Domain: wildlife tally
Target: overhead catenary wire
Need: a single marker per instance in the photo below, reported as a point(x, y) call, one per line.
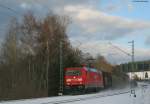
point(119, 49)
point(10, 9)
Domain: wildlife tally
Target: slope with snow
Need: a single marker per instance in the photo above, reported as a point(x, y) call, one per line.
point(120, 96)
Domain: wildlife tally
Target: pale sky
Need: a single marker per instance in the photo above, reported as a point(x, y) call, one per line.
point(94, 24)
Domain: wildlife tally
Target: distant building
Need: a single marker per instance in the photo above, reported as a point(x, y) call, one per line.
point(145, 75)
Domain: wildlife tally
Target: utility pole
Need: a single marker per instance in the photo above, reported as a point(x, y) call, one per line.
point(132, 56)
point(132, 69)
point(47, 67)
point(61, 70)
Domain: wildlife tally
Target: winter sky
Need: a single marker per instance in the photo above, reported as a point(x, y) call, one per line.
point(94, 23)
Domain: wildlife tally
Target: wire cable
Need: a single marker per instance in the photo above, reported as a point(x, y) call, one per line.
point(10, 9)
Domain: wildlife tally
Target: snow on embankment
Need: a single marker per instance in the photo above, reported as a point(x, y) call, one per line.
point(61, 98)
point(142, 97)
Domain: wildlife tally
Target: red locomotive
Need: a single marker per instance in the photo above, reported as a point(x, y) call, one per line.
point(85, 79)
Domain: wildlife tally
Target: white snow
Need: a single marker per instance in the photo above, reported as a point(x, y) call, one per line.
point(142, 97)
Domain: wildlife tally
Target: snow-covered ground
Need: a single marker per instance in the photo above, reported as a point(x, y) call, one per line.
point(103, 97)
point(142, 97)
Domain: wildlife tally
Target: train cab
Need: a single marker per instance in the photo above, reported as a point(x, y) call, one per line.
point(82, 79)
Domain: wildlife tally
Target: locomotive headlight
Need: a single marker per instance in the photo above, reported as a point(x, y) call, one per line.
point(68, 83)
point(68, 80)
point(80, 79)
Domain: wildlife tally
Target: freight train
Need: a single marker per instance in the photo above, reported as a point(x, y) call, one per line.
point(84, 79)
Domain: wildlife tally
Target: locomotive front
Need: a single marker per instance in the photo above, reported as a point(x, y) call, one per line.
point(74, 79)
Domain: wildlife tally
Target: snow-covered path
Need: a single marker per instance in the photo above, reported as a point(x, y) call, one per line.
point(142, 97)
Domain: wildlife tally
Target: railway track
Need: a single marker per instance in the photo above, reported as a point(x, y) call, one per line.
point(85, 98)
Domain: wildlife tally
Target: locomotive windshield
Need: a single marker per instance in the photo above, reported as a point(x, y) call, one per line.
point(73, 72)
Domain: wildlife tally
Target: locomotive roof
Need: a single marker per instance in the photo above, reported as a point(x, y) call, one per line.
point(91, 69)
point(86, 68)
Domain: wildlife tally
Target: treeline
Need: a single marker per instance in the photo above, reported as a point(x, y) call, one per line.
point(30, 54)
point(102, 64)
point(135, 67)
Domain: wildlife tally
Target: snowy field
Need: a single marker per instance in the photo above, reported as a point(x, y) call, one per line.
point(120, 96)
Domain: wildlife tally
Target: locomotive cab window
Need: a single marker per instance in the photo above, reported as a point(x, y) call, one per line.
point(73, 72)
